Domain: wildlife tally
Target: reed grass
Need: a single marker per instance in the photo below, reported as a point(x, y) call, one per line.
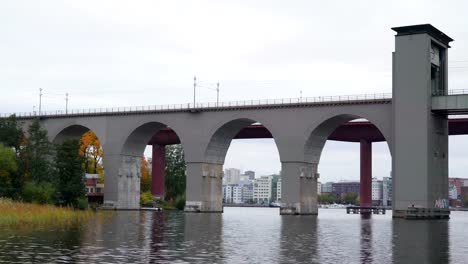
point(13, 213)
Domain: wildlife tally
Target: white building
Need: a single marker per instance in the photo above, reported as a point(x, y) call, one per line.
point(237, 194)
point(387, 191)
point(244, 178)
point(231, 176)
point(247, 193)
point(262, 189)
point(278, 190)
point(319, 188)
point(377, 187)
point(227, 193)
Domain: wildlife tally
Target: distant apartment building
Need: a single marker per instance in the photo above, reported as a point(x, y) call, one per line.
point(231, 176)
point(251, 174)
point(341, 188)
point(247, 193)
point(319, 188)
point(387, 190)
point(237, 194)
point(274, 187)
point(377, 191)
point(327, 187)
point(278, 190)
point(455, 185)
point(455, 190)
point(244, 177)
point(262, 190)
point(227, 193)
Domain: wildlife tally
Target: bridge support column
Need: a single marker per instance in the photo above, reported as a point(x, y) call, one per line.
point(204, 187)
point(365, 187)
point(299, 188)
point(122, 181)
point(158, 171)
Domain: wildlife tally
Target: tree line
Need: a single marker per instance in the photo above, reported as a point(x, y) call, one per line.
point(32, 169)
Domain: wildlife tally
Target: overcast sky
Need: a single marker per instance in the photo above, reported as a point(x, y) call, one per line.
point(129, 53)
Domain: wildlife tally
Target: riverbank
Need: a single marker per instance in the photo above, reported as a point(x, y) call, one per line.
point(15, 213)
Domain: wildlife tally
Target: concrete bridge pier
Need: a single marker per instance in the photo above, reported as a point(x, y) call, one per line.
point(122, 181)
point(204, 187)
point(299, 188)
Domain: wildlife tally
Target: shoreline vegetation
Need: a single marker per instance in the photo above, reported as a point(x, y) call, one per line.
point(20, 214)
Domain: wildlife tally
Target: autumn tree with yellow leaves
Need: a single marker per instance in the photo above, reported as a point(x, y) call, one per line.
point(91, 150)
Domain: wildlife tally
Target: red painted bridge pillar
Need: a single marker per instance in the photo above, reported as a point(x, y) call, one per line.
point(365, 189)
point(158, 171)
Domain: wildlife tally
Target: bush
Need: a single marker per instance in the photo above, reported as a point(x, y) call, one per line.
point(82, 203)
point(41, 193)
point(180, 202)
point(146, 197)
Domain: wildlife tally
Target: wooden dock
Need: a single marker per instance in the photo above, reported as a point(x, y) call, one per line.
point(365, 210)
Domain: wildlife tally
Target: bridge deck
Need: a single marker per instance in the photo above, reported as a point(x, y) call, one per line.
point(382, 98)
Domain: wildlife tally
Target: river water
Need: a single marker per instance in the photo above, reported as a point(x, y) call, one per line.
point(241, 235)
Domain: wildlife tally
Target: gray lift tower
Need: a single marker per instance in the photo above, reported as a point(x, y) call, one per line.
point(420, 150)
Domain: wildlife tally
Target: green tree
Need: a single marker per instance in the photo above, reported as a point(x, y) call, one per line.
point(350, 197)
point(11, 134)
point(70, 173)
point(175, 172)
point(37, 156)
point(7, 169)
point(327, 198)
point(39, 192)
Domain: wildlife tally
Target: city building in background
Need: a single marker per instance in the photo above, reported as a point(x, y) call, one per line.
point(327, 187)
point(377, 191)
point(387, 191)
point(278, 190)
point(339, 189)
point(251, 174)
point(319, 188)
point(231, 176)
point(456, 197)
point(262, 191)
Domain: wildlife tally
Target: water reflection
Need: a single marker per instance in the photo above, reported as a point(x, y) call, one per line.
point(298, 242)
point(39, 244)
point(240, 235)
point(366, 239)
point(420, 241)
point(203, 237)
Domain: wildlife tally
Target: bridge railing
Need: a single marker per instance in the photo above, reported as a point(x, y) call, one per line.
point(452, 92)
point(210, 105)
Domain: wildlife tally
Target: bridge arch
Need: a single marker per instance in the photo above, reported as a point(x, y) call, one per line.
point(72, 130)
point(224, 132)
point(317, 133)
point(91, 147)
point(125, 161)
point(323, 128)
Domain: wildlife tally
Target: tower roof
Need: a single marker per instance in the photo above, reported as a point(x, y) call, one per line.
point(424, 28)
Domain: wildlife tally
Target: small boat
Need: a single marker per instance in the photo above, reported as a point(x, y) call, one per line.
point(158, 209)
point(275, 204)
